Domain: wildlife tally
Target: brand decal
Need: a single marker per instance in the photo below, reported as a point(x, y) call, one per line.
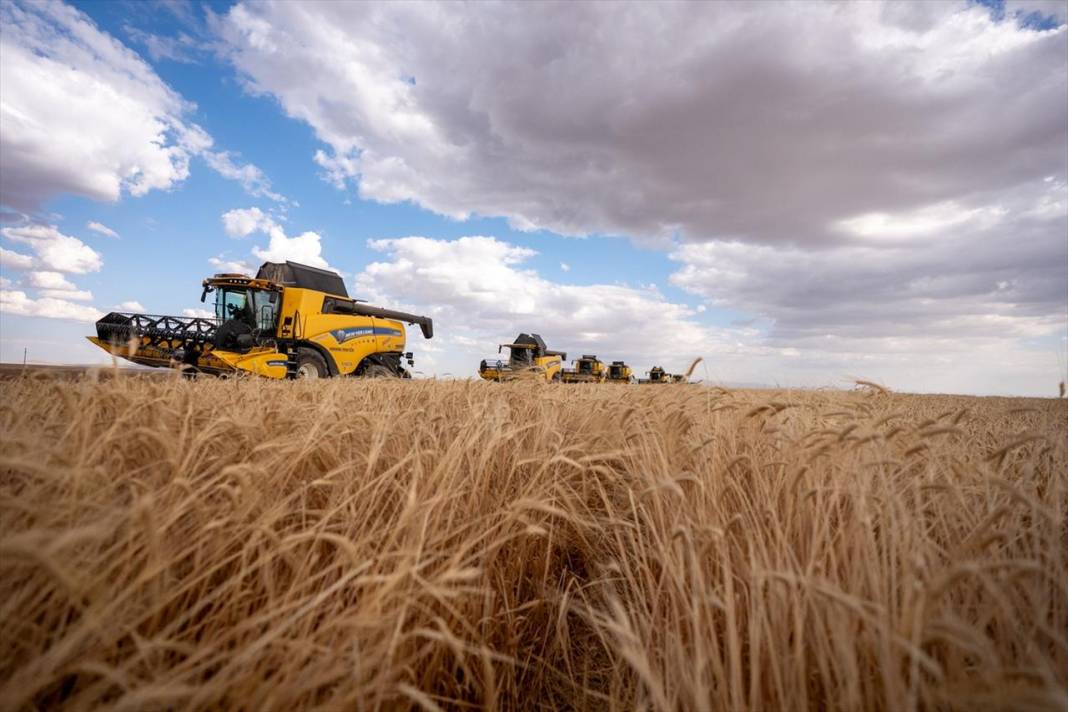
point(343, 335)
point(277, 363)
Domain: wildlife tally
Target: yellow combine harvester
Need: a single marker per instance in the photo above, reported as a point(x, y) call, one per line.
point(528, 358)
point(290, 321)
point(588, 369)
point(620, 372)
point(659, 375)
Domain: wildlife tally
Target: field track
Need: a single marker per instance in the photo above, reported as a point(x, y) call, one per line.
point(244, 544)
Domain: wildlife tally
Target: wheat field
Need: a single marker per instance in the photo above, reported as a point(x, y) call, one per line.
point(260, 545)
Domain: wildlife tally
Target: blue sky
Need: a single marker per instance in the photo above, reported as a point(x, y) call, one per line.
point(798, 213)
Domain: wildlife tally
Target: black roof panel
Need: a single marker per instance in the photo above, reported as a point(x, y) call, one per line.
point(294, 274)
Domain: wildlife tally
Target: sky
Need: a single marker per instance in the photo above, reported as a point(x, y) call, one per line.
point(801, 193)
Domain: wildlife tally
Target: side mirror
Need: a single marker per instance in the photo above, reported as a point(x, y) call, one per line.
point(204, 295)
point(272, 297)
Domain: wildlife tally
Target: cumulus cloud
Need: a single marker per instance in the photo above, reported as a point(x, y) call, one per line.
point(9, 259)
point(230, 266)
point(996, 274)
point(85, 115)
point(130, 306)
point(102, 229)
point(304, 248)
point(50, 280)
point(16, 302)
point(73, 295)
point(242, 222)
point(55, 251)
point(199, 313)
point(764, 123)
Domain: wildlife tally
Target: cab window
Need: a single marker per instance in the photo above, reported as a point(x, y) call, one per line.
point(265, 305)
point(232, 304)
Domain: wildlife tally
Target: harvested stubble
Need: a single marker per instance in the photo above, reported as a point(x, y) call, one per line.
point(361, 545)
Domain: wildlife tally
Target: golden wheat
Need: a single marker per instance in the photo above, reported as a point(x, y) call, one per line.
point(378, 545)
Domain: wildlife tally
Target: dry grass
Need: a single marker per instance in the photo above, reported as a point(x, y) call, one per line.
point(254, 545)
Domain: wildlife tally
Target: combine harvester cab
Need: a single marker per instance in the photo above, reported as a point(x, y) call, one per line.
point(619, 372)
point(587, 369)
point(289, 321)
point(528, 358)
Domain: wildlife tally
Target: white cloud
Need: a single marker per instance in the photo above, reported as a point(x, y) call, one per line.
point(9, 259)
point(16, 302)
point(130, 306)
point(565, 267)
point(83, 114)
point(251, 178)
point(102, 229)
point(749, 121)
point(50, 280)
point(242, 222)
point(55, 251)
point(73, 295)
point(230, 266)
point(992, 279)
point(304, 248)
point(198, 312)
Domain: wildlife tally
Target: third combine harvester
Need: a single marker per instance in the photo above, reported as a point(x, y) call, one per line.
point(289, 321)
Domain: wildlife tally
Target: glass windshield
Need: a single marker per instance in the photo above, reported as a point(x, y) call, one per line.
point(256, 307)
point(232, 304)
point(521, 358)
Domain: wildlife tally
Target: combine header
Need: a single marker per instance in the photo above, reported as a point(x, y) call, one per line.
point(528, 357)
point(290, 321)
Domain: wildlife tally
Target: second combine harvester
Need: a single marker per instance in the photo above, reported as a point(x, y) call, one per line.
point(289, 321)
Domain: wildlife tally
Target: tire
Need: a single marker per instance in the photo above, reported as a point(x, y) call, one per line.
point(556, 377)
point(377, 370)
point(311, 365)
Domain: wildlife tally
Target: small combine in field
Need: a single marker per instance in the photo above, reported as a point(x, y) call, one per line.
point(619, 372)
point(528, 358)
point(658, 375)
point(588, 369)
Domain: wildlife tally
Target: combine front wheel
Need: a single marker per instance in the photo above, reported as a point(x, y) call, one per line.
point(311, 365)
